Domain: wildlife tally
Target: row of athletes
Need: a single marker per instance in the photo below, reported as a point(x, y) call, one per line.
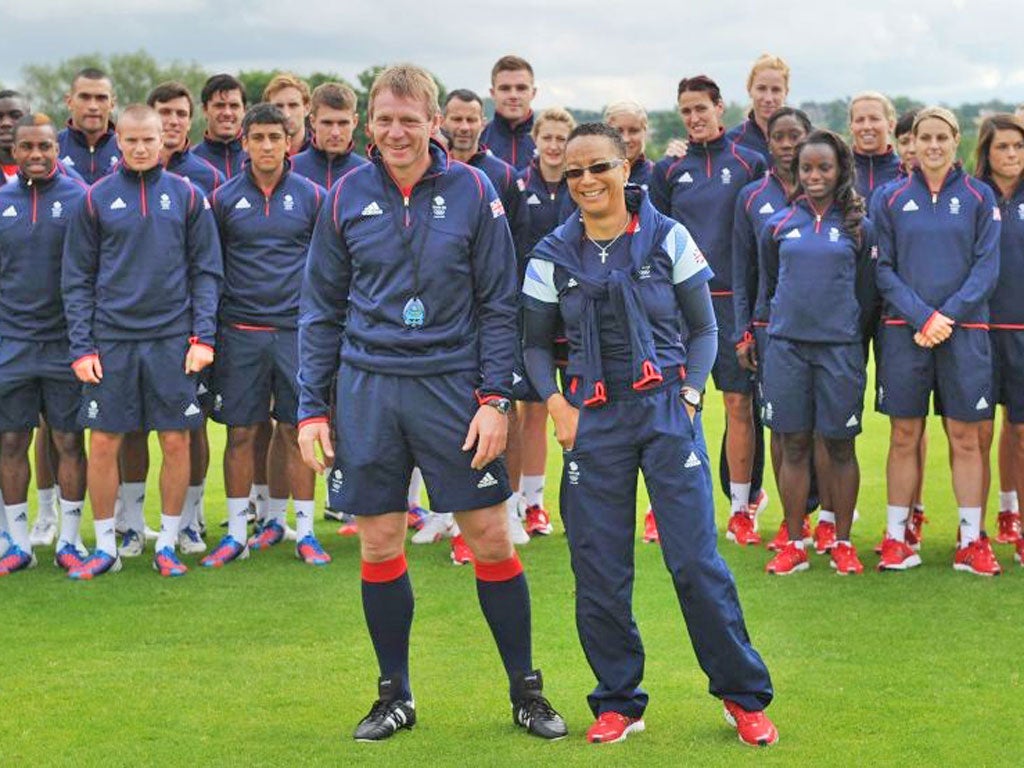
point(414, 351)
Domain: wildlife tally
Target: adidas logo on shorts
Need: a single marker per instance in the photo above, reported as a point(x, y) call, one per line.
point(692, 461)
point(373, 210)
point(852, 421)
point(981, 405)
point(192, 410)
point(487, 481)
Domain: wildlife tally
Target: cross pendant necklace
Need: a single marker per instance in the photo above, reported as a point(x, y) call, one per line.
point(602, 250)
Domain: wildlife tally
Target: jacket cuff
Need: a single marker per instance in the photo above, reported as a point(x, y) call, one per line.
point(927, 323)
point(745, 340)
point(312, 420)
point(485, 396)
point(195, 341)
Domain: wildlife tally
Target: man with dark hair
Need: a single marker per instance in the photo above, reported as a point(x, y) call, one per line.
point(34, 362)
point(334, 119)
point(13, 107)
point(223, 99)
point(87, 144)
point(173, 103)
point(508, 135)
point(266, 217)
point(409, 297)
point(146, 243)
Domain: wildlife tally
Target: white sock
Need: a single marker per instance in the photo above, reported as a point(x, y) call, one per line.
point(133, 495)
point(415, 484)
point(258, 496)
point(824, 516)
point(188, 512)
point(896, 522)
point(276, 510)
point(238, 511)
point(70, 522)
point(47, 501)
point(740, 495)
point(169, 527)
point(303, 519)
point(17, 524)
point(1008, 501)
point(970, 525)
point(106, 541)
point(532, 489)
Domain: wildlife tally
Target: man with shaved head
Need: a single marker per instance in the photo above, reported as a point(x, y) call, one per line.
point(144, 242)
point(87, 144)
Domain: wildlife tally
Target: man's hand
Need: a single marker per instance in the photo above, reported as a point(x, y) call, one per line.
point(199, 356)
point(310, 434)
point(488, 431)
point(922, 341)
point(566, 418)
point(88, 369)
point(746, 353)
point(938, 328)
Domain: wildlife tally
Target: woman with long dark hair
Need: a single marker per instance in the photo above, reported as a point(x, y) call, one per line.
point(819, 283)
point(623, 278)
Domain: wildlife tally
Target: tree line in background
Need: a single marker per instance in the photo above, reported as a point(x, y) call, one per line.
point(135, 74)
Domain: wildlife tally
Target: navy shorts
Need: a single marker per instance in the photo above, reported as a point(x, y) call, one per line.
point(388, 424)
point(144, 388)
point(36, 378)
point(726, 372)
point(813, 387)
point(255, 376)
point(958, 371)
point(1008, 372)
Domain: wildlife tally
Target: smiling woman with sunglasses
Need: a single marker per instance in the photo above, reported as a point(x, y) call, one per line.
point(622, 277)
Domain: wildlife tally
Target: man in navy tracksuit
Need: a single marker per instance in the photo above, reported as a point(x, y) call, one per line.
point(265, 216)
point(173, 103)
point(223, 99)
point(334, 118)
point(410, 284)
point(699, 190)
point(13, 107)
point(88, 144)
point(35, 377)
point(141, 278)
point(508, 135)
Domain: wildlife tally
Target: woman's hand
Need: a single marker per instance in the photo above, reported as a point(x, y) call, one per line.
point(566, 418)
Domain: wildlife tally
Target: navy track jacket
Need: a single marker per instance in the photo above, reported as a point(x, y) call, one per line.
point(90, 162)
point(192, 167)
point(142, 261)
point(361, 276)
point(34, 216)
point(227, 157)
point(513, 145)
point(1005, 306)
point(323, 169)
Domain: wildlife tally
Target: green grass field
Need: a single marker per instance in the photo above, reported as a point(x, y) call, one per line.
point(267, 662)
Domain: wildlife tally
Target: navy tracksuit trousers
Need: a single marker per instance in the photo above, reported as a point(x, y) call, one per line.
point(651, 432)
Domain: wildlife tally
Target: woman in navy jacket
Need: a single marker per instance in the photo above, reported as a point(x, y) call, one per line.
point(818, 277)
point(622, 277)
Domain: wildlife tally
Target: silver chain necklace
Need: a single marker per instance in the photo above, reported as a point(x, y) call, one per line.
point(602, 250)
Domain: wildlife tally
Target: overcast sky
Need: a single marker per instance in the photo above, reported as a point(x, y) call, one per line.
point(585, 53)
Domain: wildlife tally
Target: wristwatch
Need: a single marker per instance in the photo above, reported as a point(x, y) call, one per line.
point(501, 404)
point(692, 397)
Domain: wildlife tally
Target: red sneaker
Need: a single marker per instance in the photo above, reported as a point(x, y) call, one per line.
point(787, 560)
point(743, 529)
point(753, 728)
point(1009, 528)
point(651, 535)
point(914, 533)
point(824, 537)
point(611, 727)
point(897, 556)
point(977, 558)
point(461, 553)
point(348, 529)
point(845, 560)
point(758, 503)
point(782, 537)
point(538, 522)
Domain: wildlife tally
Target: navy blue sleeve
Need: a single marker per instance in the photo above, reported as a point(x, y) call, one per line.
point(322, 310)
point(205, 268)
point(540, 326)
point(79, 266)
point(702, 342)
point(494, 286)
point(897, 293)
point(659, 190)
point(768, 260)
point(981, 280)
point(744, 267)
point(866, 288)
point(518, 213)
